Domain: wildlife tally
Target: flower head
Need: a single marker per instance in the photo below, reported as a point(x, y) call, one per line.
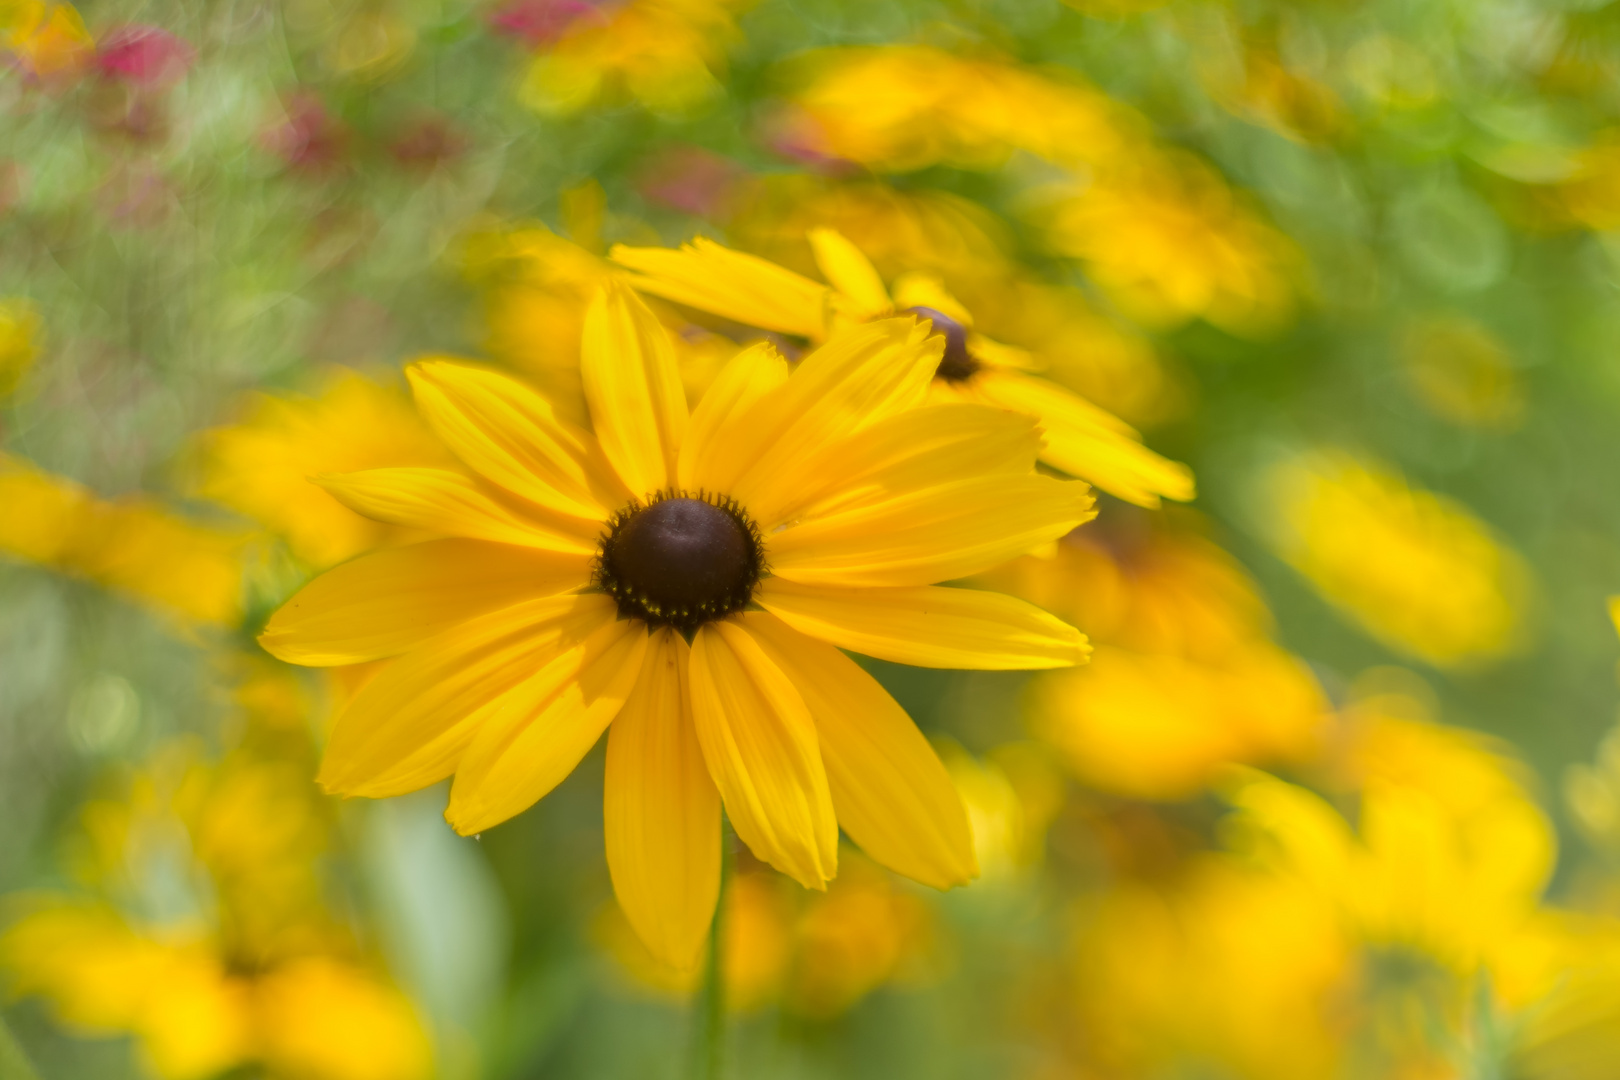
point(1081, 439)
point(689, 578)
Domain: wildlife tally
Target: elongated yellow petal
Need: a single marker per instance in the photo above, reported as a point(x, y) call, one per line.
point(760, 746)
point(858, 378)
point(1089, 442)
point(508, 433)
point(661, 812)
point(633, 388)
point(928, 626)
point(531, 741)
point(450, 504)
point(893, 795)
point(712, 278)
point(391, 601)
point(851, 273)
point(730, 400)
point(408, 727)
point(938, 534)
point(916, 449)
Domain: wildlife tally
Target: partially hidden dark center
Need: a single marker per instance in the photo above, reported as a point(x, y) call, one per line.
point(957, 365)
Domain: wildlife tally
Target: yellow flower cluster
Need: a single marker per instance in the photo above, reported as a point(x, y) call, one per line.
point(1184, 679)
point(663, 53)
point(201, 924)
point(1157, 228)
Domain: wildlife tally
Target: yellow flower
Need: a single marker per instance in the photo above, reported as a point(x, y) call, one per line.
point(786, 515)
point(131, 545)
point(1185, 679)
point(1170, 241)
point(1222, 968)
point(1417, 571)
point(663, 53)
point(49, 39)
point(816, 955)
point(903, 107)
point(261, 465)
point(1011, 797)
point(19, 342)
point(1081, 439)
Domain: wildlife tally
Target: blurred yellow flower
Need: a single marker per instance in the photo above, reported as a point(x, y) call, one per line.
point(1463, 373)
point(814, 955)
point(1221, 966)
point(49, 39)
point(662, 53)
point(131, 545)
point(1184, 678)
point(1011, 795)
point(261, 465)
point(1415, 570)
point(1081, 439)
point(1160, 726)
point(19, 342)
point(203, 931)
point(1170, 241)
point(904, 107)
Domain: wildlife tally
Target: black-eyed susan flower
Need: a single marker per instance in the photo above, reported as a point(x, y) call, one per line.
point(1081, 439)
point(689, 578)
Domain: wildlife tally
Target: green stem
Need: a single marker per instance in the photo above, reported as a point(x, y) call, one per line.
point(13, 1062)
point(709, 1061)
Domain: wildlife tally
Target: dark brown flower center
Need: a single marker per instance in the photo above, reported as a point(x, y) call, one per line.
point(958, 364)
point(680, 560)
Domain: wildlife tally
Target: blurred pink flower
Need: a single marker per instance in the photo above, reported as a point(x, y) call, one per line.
point(309, 138)
point(538, 21)
point(690, 179)
point(146, 55)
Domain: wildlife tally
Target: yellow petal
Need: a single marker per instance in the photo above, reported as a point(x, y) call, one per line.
point(928, 626)
point(1088, 442)
point(661, 812)
point(893, 795)
point(733, 396)
point(916, 449)
point(760, 746)
point(712, 278)
point(919, 289)
point(859, 377)
point(851, 274)
point(508, 433)
point(938, 534)
point(407, 728)
point(450, 504)
point(633, 387)
point(391, 601)
point(532, 740)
